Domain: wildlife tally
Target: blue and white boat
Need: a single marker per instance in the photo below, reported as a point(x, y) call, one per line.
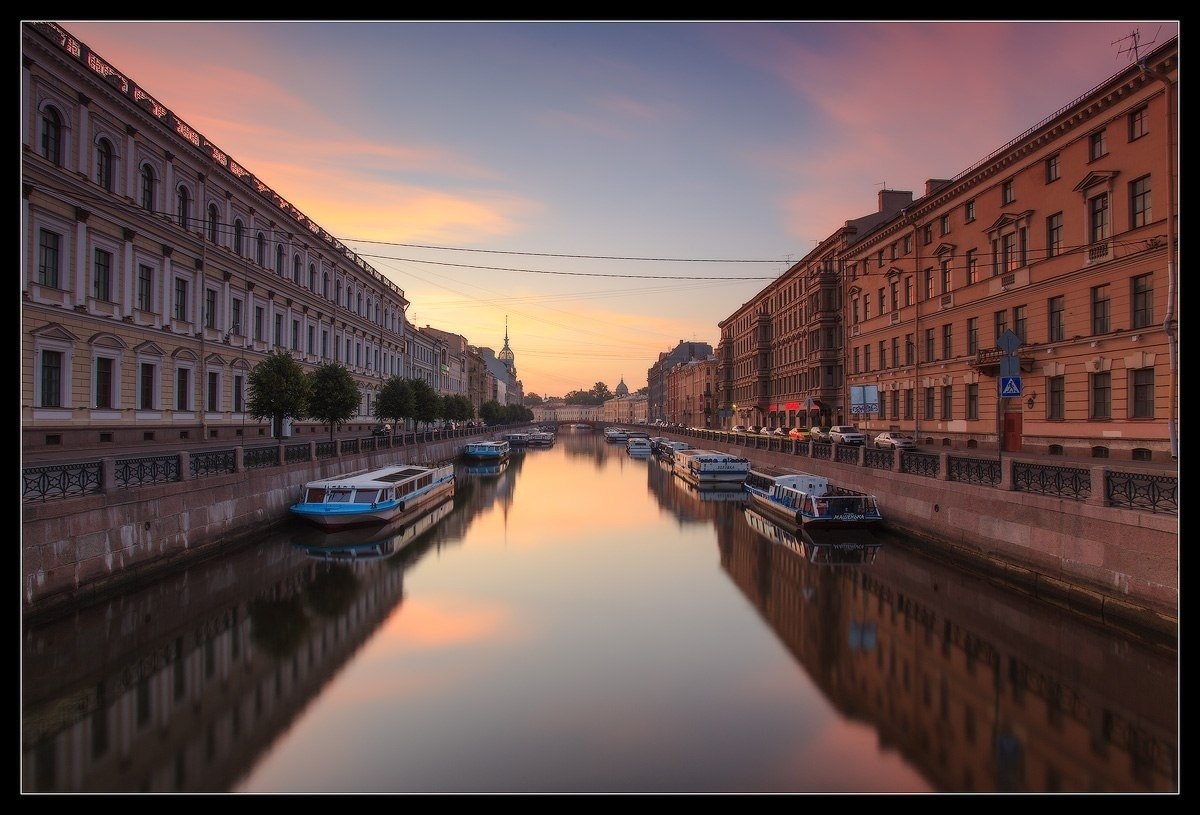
point(810, 500)
point(378, 496)
point(711, 469)
point(498, 450)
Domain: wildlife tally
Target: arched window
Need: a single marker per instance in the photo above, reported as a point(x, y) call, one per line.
point(312, 277)
point(238, 235)
point(213, 221)
point(104, 164)
point(338, 298)
point(260, 250)
point(296, 269)
point(183, 206)
point(325, 285)
point(359, 311)
point(279, 260)
point(52, 136)
point(147, 187)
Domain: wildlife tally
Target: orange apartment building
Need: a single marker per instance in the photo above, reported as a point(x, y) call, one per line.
point(1028, 304)
point(691, 393)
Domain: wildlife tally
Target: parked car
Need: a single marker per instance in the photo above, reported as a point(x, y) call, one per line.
point(846, 434)
point(738, 428)
point(819, 434)
point(382, 429)
point(895, 441)
point(800, 433)
point(754, 429)
point(781, 431)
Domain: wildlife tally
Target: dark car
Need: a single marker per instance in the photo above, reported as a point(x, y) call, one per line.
point(382, 429)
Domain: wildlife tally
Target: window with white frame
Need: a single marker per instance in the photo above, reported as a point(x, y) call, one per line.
point(147, 187)
point(1141, 298)
point(1139, 202)
point(1054, 234)
point(183, 386)
point(102, 269)
point(52, 133)
point(145, 287)
point(180, 311)
point(104, 380)
point(147, 384)
point(210, 308)
point(1098, 218)
point(183, 207)
point(104, 163)
point(1097, 145)
point(51, 387)
point(1139, 123)
point(212, 392)
point(1007, 192)
point(1053, 168)
point(49, 258)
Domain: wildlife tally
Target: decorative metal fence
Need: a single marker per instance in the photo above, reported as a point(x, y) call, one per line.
point(49, 481)
point(212, 462)
point(136, 472)
point(985, 471)
point(1048, 479)
point(1155, 493)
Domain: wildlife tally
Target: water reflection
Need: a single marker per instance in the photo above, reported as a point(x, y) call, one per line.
point(891, 673)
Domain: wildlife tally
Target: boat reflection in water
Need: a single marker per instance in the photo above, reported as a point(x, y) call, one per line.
point(373, 543)
point(832, 547)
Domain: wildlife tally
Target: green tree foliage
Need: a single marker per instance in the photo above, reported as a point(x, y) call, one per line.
point(582, 398)
point(492, 413)
point(396, 402)
point(279, 389)
point(457, 408)
point(334, 398)
point(601, 393)
point(427, 404)
point(532, 399)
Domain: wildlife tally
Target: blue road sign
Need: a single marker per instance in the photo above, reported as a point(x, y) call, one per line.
point(1010, 386)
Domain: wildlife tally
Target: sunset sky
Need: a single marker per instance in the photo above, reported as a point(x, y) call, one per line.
point(603, 190)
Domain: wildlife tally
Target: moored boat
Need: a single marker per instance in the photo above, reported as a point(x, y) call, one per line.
point(377, 496)
point(617, 435)
point(638, 446)
point(516, 439)
point(375, 543)
point(541, 438)
point(711, 468)
point(497, 450)
point(810, 500)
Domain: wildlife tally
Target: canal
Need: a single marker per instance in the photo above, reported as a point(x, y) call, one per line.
point(582, 621)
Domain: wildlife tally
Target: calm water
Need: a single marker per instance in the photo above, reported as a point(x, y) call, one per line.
point(583, 621)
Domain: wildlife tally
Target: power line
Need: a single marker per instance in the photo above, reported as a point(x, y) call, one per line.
point(566, 274)
point(554, 255)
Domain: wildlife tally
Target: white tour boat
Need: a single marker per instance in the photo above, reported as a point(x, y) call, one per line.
point(711, 468)
point(810, 500)
point(498, 450)
point(638, 446)
point(376, 496)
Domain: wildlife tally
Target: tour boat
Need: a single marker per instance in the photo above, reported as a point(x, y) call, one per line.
point(617, 435)
point(376, 496)
point(516, 439)
point(637, 446)
point(822, 546)
point(667, 449)
point(487, 450)
point(375, 543)
point(711, 468)
point(541, 438)
point(810, 500)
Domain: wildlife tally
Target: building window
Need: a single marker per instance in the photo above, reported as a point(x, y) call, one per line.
point(973, 401)
point(1143, 393)
point(973, 335)
point(102, 276)
point(910, 349)
point(1142, 300)
point(1057, 398)
point(1101, 309)
point(210, 308)
point(312, 339)
point(927, 274)
point(145, 287)
point(1139, 123)
point(1053, 168)
point(1057, 308)
point(278, 329)
point(104, 164)
point(907, 244)
point(929, 345)
point(260, 249)
point(239, 236)
point(908, 291)
point(182, 391)
point(882, 354)
point(866, 358)
point(969, 210)
point(972, 266)
point(929, 403)
point(147, 187)
point(51, 385)
point(49, 258)
point(279, 260)
point(296, 269)
point(183, 207)
point(945, 273)
point(51, 136)
point(104, 383)
point(1020, 321)
point(1007, 194)
point(1100, 396)
point(239, 399)
point(927, 234)
point(1000, 318)
point(1054, 234)
point(892, 251)
point(948, 341)
point(944, 223)
point(181, 299)
point(947, 403)
point(312, 277)
point(1139, 202)
point(1010, 256)
point(895, 405)
point(214, 221)
point(895, 352)
point(909, 407)
point(147, 378)
point(1097, 146)
point(259, 315)
point(866, 304)
point(324, 344)
point(325, 285)
point(295, 335)
point(214, 392)
point(1098, 218)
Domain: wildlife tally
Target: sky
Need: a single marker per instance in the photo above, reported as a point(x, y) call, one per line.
point(600, 191)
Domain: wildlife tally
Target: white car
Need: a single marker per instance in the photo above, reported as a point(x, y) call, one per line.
point(738, 428)
point(846, 434)
point(895, 441)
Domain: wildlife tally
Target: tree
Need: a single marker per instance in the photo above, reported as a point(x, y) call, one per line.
point(457, 407)
point(395, 401)
point(532, 399)
point(335, 398)
point(582, 398)
point(492, 412)
point(601, 392)
point(279, 390)
point(427, 405)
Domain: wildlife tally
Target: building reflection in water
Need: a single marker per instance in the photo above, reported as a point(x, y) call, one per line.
point(183, 685)
point(971, 683)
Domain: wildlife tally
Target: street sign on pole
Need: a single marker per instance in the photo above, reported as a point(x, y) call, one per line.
point(1010, 386)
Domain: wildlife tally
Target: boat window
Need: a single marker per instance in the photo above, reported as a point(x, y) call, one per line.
point(367, 496)
point(316, 495)
point(339, 496)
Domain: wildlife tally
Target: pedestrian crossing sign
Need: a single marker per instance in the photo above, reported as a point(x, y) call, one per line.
point(1010, 386)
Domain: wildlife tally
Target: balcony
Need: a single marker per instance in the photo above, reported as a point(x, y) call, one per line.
point(987, 361)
